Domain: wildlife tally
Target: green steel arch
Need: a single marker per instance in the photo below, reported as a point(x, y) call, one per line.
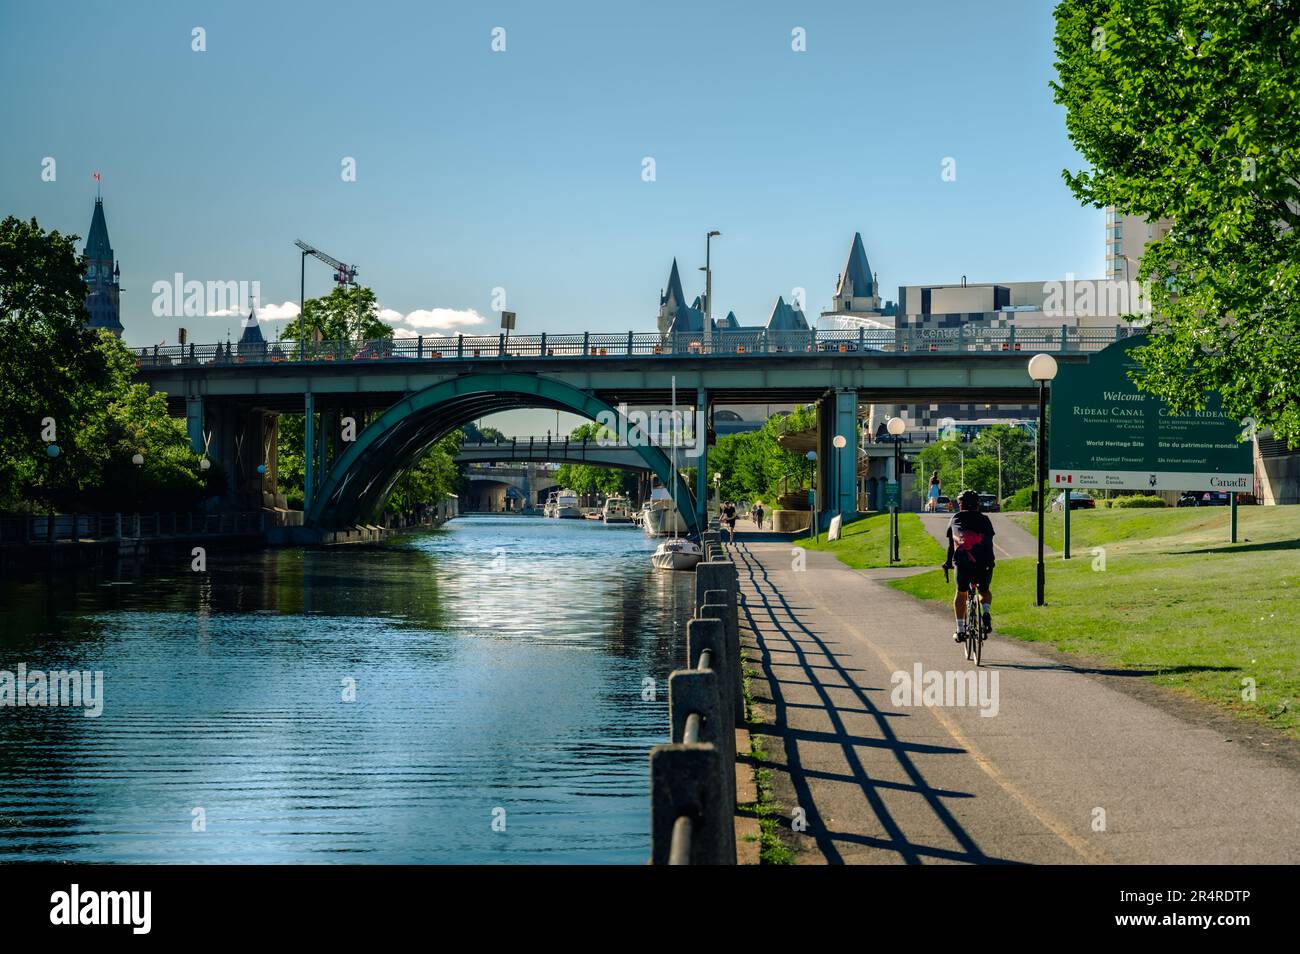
point(359, 482)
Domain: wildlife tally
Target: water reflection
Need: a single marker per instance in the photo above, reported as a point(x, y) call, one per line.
point(498, 664)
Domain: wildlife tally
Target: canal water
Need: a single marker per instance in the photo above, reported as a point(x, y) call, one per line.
point(509, 676)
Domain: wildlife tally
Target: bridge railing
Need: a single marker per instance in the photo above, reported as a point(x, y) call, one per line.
point(693, 778)
point(737, 344)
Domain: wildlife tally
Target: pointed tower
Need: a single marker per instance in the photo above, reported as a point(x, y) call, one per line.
point(103, 304)
point(857, 289)
point(251, 343)
point(674, 314)
point(786, 317)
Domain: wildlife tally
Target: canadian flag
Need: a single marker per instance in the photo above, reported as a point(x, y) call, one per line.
point(1068, 478)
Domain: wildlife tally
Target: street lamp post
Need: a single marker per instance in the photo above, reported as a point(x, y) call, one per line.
point(138, 460)
point(814, 530)
point(896, 426)
point(708, 283)
point(1042, 368)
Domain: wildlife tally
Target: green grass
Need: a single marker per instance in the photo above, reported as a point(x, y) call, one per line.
point(1174, 597)
point(1182, 525)
point(865, 543)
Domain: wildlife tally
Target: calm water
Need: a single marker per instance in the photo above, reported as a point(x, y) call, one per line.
point(498, 663)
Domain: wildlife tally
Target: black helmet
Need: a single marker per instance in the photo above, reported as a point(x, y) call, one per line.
point(968, 500)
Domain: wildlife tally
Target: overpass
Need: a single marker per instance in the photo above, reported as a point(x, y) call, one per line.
point(402, 395)
point(548, 450)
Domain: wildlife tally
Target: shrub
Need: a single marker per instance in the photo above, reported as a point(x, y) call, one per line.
point(1138, 500)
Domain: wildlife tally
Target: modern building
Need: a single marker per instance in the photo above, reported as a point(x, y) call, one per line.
point(103, 304)
point(1127, 237)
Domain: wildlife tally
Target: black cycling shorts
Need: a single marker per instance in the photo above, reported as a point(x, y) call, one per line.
point(969, 572)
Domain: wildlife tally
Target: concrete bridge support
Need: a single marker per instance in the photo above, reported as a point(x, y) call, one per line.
point(240, 440)
point(837, 467)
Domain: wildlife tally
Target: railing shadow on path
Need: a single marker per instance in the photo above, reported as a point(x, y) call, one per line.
point(768, 601)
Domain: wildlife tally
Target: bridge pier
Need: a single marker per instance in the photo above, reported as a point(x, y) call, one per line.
point(837, 467)
point(703, 479)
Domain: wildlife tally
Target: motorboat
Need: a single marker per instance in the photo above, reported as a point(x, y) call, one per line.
point(676, 554)
point(616, 510)
point(563, 504)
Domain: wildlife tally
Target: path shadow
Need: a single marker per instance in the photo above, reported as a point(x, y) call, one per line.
point(780, 621)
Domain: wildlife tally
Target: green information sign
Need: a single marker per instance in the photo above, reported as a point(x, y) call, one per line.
point(1105, 433)
point(892, 496)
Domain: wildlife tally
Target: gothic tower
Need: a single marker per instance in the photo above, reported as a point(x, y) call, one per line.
point(102, 276)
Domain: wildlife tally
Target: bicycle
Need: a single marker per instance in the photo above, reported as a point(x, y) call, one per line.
point(976, 630)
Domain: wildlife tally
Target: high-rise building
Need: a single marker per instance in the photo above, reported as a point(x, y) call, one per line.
point(102, 271)
point(1127, 237)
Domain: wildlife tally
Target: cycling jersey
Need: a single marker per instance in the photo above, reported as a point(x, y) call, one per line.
point(970, 539)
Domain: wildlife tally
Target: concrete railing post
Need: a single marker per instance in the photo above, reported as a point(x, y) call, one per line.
point(711, 635)
point(717, 605)
point(687, 780)
point(694, 690)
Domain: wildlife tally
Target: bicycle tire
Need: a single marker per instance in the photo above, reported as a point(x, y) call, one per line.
point(979, 632)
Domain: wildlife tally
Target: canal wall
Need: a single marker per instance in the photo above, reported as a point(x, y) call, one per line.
point(57, 541)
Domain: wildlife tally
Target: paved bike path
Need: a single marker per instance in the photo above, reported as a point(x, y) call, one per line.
point(1066, 753)
point(1010, 540)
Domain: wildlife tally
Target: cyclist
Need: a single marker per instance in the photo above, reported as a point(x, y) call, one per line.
point(970, 550)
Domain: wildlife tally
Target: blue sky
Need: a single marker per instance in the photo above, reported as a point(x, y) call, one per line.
point(522, 169)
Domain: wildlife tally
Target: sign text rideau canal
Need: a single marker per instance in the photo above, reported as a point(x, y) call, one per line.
point(1107, 434)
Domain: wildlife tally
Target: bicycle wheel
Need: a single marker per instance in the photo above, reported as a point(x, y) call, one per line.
point(978, 638)
point(971, 635)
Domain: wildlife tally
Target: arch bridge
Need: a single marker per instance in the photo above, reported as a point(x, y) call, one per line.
point(379, 405)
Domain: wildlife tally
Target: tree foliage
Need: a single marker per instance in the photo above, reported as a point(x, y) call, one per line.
point(348, 313)
point(1190, 110)
point(755, 467)
point(59, 379)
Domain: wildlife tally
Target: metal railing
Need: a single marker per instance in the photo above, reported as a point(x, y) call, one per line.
point(693, 778)
point(101, 527)
point(730, 343)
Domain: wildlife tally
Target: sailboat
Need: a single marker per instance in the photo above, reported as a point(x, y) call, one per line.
point(677, 553)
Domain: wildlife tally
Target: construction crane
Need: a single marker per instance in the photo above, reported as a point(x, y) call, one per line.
point(344, 275)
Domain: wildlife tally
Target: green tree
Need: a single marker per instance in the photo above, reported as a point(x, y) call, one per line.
point(348, 313)
point(1189, 110)
point(50, 369)
point(55, 373)
point(1017, 454)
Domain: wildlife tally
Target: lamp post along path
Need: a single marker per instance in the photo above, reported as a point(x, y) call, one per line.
point(1042, 368)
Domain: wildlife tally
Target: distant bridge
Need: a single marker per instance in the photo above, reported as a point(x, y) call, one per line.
point(403, 394)
point(547, 450)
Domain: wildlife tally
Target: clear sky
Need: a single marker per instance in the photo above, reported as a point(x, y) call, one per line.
point(523, 169)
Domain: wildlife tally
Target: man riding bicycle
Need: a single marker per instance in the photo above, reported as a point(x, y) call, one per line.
point(970, 550)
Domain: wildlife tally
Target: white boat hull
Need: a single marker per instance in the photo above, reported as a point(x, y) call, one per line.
point(676, 555)
point(661, 521)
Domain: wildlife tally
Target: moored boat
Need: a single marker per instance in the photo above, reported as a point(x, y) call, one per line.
point(676, 554)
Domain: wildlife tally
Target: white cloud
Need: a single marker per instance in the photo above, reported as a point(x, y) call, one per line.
point(278, 312)
point(429, 321)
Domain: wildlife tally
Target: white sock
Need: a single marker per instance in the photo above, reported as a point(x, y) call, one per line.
point(961, 626)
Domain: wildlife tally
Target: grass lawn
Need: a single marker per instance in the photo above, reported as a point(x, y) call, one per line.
point(865, 543)
point(1191, 525)
point(1167, 593)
